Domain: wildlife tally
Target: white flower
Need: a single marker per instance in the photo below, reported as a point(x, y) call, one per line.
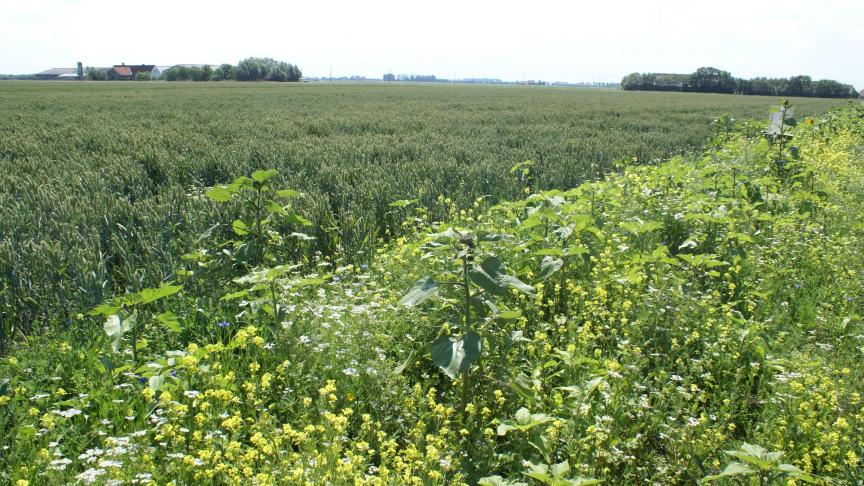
point(351, 372)
point(90, 476)
point(59, 464)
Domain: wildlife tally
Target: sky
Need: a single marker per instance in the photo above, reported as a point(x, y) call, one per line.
point(547, 40)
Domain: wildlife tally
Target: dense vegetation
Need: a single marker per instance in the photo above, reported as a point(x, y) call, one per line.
point(249, 69)
point(102, 183)
point(713, 80)
point(628, 330)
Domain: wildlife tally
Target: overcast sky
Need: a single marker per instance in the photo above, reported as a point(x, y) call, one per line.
point(550, 40)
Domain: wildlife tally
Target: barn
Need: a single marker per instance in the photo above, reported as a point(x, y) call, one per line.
point(57, 74)
point(120, 72)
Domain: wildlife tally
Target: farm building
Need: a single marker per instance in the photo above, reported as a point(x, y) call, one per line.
point(57, 74)
point(150, 69)
point(121, 72)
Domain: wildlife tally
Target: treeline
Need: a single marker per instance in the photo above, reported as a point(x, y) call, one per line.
point(713, 80)
point(249, 69)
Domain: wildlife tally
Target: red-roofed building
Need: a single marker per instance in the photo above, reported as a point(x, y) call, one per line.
point(120, 72)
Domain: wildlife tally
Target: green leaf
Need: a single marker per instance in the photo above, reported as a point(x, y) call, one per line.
point(498, 481)
point(490, 276)
point(524, 420)
point(169, 321)
point(219, 193)
point(287, 193)
point(156, 382)
point(264, 175)
point(147, 296)
point(239, 227)
point(113, 328)
point(549, 267)
point(509, 315)
point(297, 219)
point(583, 481)
point(641, 227)
point(540, 472)
point(556, 252)
point(732, 469)
point(310, 281)
point(403, 203)
point(559, 470)
point(235, 295)
point(422, 290)
point(796, 473)
point(577, 250)
point(455, 356)
point(106, 309)
point(491, 237)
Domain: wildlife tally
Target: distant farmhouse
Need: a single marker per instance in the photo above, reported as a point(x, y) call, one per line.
point(61, 74)
point(123, 72)
point(58, 74)
point(117, 72)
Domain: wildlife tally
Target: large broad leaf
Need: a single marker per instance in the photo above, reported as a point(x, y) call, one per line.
point(796, 473)
point(151, 295)
point(107, 308)
point(549, 266)
point(169, 321)
point(499, 481)
point(297, 219)
point(420, 291)
point(240, 228)
point(490, 276)
point(403, 203)
point(549, 252)
point(733, 469)
point(582, 481)
point(219, 193)
point(156, 382)
point(641, 227)
point(115, 328)
point(454, 355)
point(264, 175)
point(524, 420)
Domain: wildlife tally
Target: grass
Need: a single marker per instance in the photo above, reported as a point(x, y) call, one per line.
point(102, 181)
point(695, 318)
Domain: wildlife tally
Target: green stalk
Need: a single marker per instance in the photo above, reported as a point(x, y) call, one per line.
point(467, 327)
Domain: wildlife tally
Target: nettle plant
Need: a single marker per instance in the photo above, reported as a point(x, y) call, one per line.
point(472, 288)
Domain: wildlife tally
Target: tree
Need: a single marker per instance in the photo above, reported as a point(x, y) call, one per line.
point(224, 72)
point(95, 75)
point(799, 86)
point(266, 69)
point(711, 80)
